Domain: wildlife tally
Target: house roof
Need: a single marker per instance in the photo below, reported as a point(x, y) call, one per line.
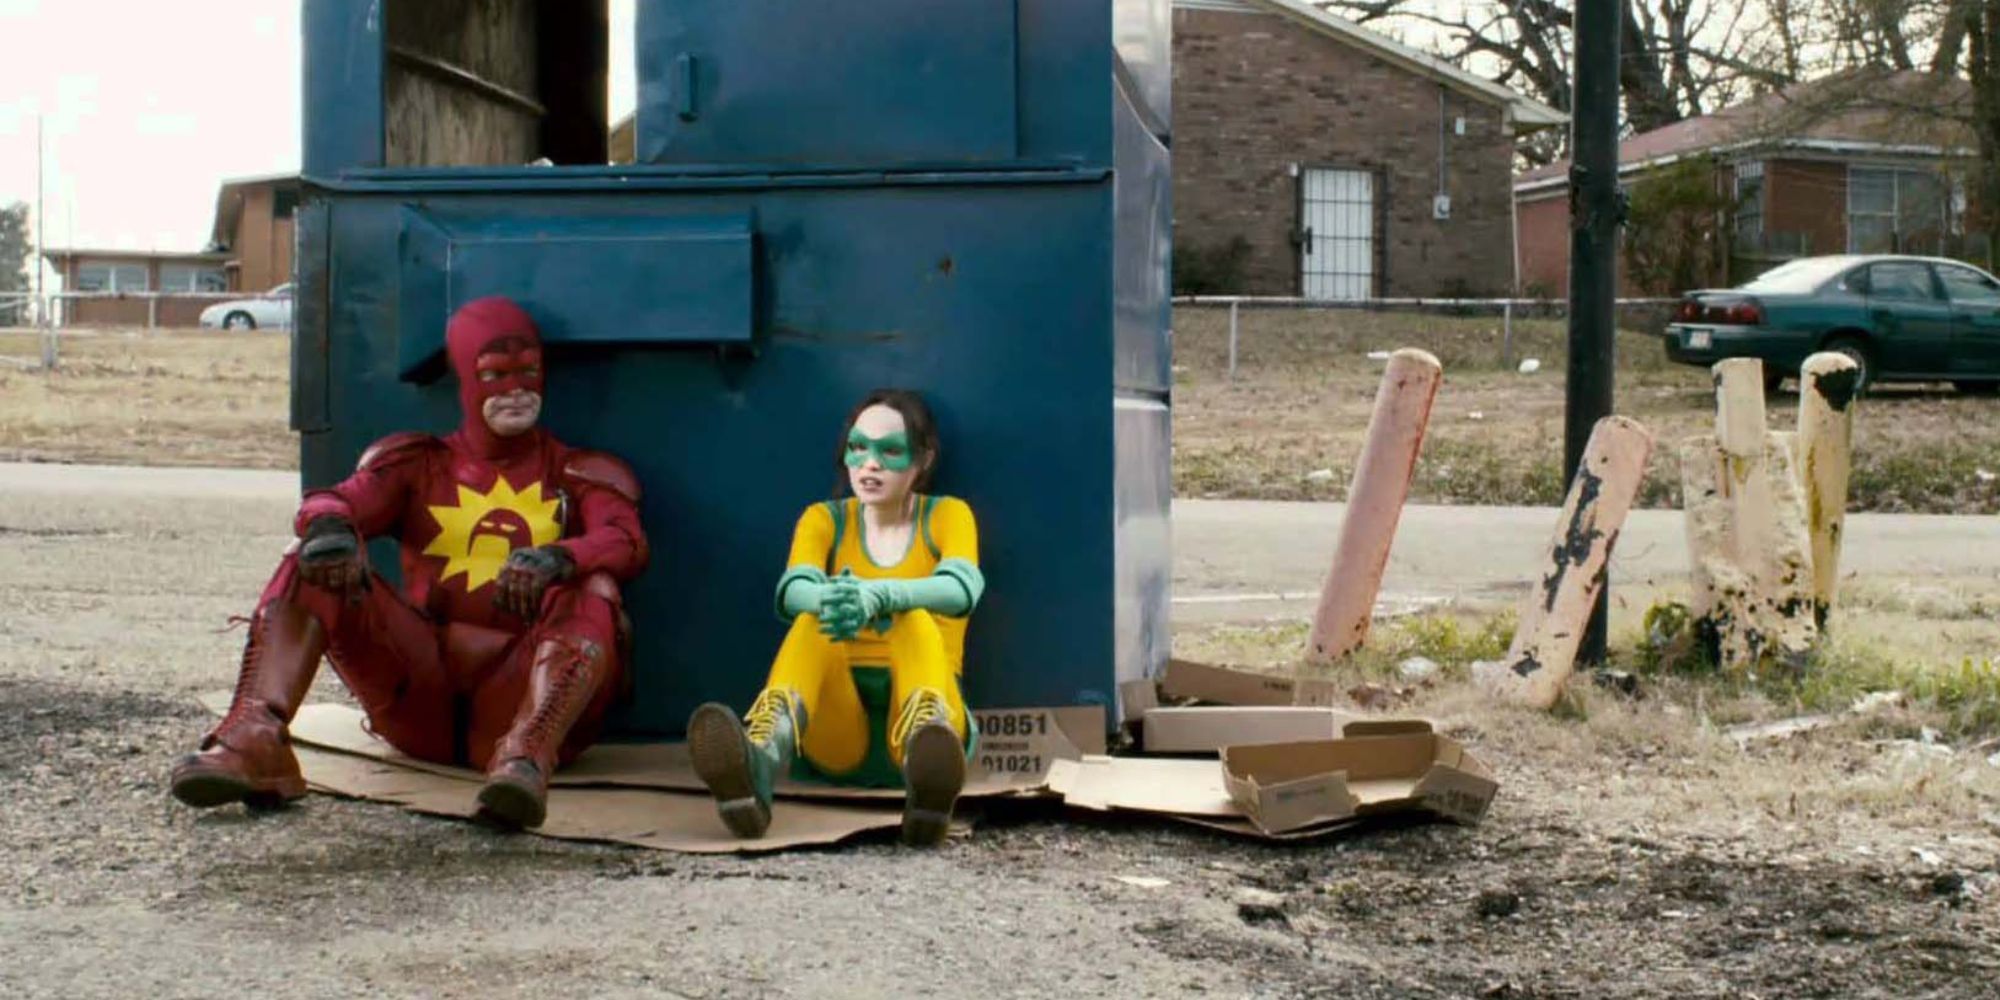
point(1900, 113)
point(1526, 113)
point(229, 202)
point(56, 255)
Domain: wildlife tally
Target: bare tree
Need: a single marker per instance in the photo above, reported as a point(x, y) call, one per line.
point(1679, 57)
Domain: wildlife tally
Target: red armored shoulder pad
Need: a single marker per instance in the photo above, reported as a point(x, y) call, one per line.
point(395, 448)
point(602, 469)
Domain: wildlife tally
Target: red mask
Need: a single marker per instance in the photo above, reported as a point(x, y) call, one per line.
point(495, 350)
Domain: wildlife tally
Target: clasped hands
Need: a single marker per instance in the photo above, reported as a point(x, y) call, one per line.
point(849, 603)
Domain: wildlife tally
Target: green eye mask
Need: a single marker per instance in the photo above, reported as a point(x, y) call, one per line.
point(890, 451)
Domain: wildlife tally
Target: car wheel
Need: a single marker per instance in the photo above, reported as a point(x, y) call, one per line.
point(1991, 388)
point(1774, 378)
point(238, 320)
point(1857, 352)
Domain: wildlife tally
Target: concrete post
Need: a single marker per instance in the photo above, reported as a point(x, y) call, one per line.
point(1825, 451)
point(1375, 503)
point(1557, 610)
point(1232, 339)
point(1752, 570)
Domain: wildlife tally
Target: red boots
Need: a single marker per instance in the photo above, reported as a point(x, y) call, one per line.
point(248, 756)
point(564, 678)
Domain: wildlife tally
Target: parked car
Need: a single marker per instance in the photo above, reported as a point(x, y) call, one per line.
point(1902, 319)
point(273, 309)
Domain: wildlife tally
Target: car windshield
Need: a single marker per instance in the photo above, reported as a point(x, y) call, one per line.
point(1798, 276)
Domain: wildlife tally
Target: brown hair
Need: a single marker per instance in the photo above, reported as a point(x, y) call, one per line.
point(917, 423)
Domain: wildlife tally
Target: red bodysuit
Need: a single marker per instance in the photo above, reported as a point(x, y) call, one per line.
point(441, 669)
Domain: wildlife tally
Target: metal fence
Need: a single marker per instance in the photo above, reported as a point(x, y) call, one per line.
point(1508, 310)
point(53, 313)
point(58, 309)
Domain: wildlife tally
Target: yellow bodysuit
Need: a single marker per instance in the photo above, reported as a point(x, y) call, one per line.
point(919, 650)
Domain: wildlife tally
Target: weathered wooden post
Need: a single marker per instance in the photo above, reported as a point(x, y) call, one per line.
point(1375, 503)
point(1557, 610)
point(1827, 385)
point(1752, 570)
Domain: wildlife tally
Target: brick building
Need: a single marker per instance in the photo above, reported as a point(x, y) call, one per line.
point(126, 272)
point(1865, 163)
point(1314, 157)
point(253, 229)
point(250, 251)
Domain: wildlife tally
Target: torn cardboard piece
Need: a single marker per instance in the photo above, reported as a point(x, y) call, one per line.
point(1377, 767)
point(667, 821)
point(1015, 759)
point(1207, 729)
point(1018, 746)
point(1186, 791)
point(1225, 685)
point(1136, 698)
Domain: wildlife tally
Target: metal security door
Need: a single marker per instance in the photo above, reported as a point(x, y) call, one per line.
point(1338, 228)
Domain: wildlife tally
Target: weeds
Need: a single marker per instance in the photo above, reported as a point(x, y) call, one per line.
point(1961, 699)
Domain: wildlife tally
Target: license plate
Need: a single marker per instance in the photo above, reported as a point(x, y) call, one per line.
point(1700, 340)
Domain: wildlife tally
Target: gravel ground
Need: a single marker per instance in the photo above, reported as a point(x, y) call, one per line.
point(114, 614)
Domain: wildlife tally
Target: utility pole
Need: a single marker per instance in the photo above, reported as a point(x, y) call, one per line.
point(1595, 214)
point(41, 259)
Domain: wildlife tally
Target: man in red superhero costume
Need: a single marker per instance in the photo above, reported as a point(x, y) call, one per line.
point(504, 650)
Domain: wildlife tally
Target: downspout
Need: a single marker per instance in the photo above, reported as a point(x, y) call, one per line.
point(1513, 196)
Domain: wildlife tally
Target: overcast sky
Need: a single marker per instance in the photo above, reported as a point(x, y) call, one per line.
point(149, 104)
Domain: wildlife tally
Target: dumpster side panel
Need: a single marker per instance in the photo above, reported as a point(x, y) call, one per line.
point(955, 291)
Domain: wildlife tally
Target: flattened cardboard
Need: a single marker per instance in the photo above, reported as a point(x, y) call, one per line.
point(1207, 729)
point(1018, 746)
point(1059, 733)
point(667, 821)
point(1144, 784)
point(1225, 685)
point(1377, 767)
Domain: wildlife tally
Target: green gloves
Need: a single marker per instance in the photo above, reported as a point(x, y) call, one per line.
point(847, 603)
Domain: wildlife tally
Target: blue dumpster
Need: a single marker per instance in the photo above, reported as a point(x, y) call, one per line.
point(969, 198)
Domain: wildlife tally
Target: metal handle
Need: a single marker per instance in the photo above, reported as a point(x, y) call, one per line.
point(685, 68)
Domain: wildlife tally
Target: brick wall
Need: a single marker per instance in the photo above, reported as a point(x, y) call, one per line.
point(1544, 223)
point(262, 244)
point(1810, 197)
point(1255, 93)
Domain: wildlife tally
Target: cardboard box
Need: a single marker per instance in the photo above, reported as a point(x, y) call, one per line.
point(1376, 767)
point(1225, 685)
point(1208, 729)
point(1018, 746)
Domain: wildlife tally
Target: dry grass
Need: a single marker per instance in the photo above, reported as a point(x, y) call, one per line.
point(132, 398)
point(1305, 387)
point(1300, 403)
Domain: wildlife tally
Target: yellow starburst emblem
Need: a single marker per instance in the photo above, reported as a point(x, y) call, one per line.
point(476, 536)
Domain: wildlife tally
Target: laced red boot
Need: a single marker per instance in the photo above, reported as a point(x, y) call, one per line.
point(248, 756)
point(564, 678)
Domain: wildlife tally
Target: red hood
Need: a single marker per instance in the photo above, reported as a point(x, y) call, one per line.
point(495, 336)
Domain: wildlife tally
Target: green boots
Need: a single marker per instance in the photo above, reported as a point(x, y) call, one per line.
point(739, 761)
point(933, 766)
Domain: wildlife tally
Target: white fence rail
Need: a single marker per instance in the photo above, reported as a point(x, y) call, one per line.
point(1506, 307)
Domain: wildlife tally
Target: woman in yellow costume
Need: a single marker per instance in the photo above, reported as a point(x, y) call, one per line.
point(877, 590)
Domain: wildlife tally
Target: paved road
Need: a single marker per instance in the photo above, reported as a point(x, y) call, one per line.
point(1237, 558)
